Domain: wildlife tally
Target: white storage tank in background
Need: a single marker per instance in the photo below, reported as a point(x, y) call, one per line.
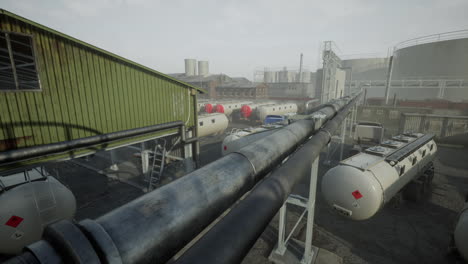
point(212, 124)
point(247, 111)
point(203, 68)
point(27, 207)
point(277, 109)
point(227, 107)
point(360, 185)
point(242, 137)
point(190, 67)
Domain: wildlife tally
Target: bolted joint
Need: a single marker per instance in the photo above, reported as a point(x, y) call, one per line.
point(70, 243)
point(101, 241)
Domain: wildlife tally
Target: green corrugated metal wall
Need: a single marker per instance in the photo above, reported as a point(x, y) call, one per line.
point(86, 92)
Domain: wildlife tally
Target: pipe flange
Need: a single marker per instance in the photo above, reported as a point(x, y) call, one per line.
point(44, 253)
point(102, 242)
point(72, 245)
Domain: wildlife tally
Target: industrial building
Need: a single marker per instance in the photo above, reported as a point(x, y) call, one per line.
point(56, 88)
point(220, 86)
point(287, 83)
point(236, 90)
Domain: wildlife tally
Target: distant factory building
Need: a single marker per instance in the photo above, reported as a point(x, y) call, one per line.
point(239, 90)
point(219, 86)
point(289, 84)
point(209, 82)
point(55, 88)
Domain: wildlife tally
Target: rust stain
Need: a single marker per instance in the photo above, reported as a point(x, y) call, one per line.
point(12, 143)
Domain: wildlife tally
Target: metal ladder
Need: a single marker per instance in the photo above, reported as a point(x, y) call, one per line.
point(158, 155)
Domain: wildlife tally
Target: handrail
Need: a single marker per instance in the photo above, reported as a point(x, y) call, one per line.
point(458, 34)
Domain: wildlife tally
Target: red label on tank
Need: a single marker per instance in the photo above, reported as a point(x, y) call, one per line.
point(208, 108)
point(246, 111)
point(357, 195)
point(14, 221)
point(219, 108)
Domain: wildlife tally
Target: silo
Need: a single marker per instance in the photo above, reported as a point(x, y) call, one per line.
point(203, 68)
point(292, 76)
point(190, 67)
point(306, 76)
point(269, 77)
point(283, 76)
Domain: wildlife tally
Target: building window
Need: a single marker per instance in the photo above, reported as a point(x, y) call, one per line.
point(213, 121)
point(201, 123)
point(17, 62)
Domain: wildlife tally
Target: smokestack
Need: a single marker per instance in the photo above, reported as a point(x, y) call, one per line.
point(300, 70)
point(190, 67)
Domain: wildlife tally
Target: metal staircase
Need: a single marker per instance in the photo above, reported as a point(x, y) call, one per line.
point(158, 156)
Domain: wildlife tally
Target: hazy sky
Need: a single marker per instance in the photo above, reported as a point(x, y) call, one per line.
point(240, 36)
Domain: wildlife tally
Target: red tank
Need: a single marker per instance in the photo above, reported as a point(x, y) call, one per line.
point(246, 111)
point(209, 108)
point(219, 108)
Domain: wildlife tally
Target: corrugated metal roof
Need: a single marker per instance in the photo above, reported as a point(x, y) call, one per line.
point(137, 65)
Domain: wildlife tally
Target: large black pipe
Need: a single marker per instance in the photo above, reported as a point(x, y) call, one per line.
point(23, 154)
point(185, 207)
point(230, 240)
point(152, 228)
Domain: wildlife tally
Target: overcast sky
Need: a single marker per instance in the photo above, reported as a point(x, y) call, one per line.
point(237, 37)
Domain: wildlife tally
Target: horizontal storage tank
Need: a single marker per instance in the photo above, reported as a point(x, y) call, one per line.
point(28, 207)
point(277, 109)
point(248, 109)
point(209, 108)
point(212, 124)
point(360, 185)
point(228, 107)
point(460, 234)
point(243, 137)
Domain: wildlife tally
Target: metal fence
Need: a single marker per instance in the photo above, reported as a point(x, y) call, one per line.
point(439, 125)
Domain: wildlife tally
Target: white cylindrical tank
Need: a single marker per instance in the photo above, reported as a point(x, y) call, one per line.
point(26, 209)
point(360, 185)
point(275, 109)
point(460, 235)
point(212, 124)
point(283, 76)
point(269, 77)
point(306, 77)
point(247, 110)
point(292, 76)
point(190, 67)
point(241, 138)
point(203, 68)
point(228, 107)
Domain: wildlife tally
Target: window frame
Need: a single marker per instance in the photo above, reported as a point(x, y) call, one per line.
point(6, 33)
